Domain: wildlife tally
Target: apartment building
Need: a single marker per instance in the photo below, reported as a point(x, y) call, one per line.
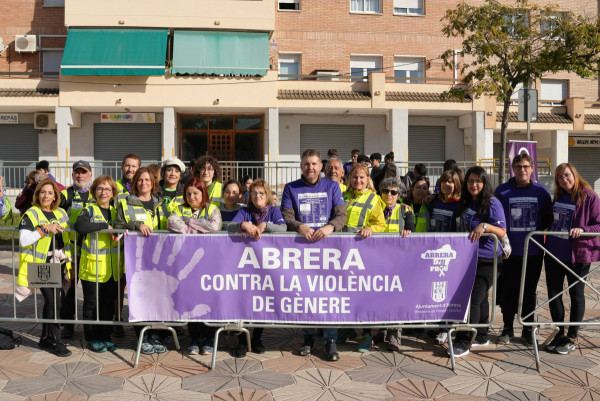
point(259, 81)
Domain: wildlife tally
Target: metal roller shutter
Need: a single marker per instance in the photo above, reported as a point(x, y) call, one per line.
point(426, 143)
point(113, 141)
point(323, 137)
point(20, 149)
point(586, 161)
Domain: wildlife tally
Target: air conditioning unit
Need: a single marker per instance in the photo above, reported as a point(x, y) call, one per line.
point(327, 75)
point(44, 121)
point(25, 43)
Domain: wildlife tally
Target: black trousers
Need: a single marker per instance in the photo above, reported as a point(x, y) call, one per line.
point(52, 301)
point(479, 311)
point(509, 284)
point(555, 278)
point(67, 310)
point(107, 293)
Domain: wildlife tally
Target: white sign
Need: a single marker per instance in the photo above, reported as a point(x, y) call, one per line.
point(584, 141)
point(9, 118)
point(127, 118)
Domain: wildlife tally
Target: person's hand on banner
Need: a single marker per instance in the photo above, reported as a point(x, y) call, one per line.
point(145, 230)
point(576, 232)
point(365, 232)
point(477, 232)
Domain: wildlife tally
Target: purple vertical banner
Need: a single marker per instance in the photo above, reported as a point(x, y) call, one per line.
point(284, 278)
point(519, 147)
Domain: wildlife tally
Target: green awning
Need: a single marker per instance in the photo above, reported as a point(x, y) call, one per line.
point(115, 52)
point(220, 53)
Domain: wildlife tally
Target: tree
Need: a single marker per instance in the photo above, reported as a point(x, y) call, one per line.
point(506, 45)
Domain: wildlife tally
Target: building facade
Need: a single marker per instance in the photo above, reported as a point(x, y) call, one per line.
point(259, 81)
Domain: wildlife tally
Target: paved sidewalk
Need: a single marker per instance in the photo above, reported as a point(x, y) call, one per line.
point(421, 371)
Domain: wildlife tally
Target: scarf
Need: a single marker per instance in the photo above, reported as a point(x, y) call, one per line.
point(387, 212)
point(82, 190)
point(259, 215)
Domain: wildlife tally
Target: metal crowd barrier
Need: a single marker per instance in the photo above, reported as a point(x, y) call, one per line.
point(550, 324)
point(239, 325)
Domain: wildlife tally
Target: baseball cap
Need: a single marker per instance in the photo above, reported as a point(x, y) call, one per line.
point(82, 164)
point(174, 162)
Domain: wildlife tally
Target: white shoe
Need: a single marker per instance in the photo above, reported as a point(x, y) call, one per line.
point(442, 338)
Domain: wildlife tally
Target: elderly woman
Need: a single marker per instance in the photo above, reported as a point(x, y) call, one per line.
point(99, 258)
point(209, 170)
point(399, 217)
point(196, 215)
point(576, 210)
point(143, 211)
point(260, 216)
point(43, 240)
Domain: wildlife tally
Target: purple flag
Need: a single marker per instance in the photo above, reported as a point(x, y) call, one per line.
point(284, 278)
point(527, 147)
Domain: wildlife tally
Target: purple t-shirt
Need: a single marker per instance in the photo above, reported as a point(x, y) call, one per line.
point(563, 210)
point(443, 215)
point(273, 216)
point(469, 220)
point(526, 209)
point(313, 205)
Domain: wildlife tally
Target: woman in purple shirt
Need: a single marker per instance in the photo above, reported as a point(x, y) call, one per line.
point(260, 216)
point(480, 212)
point(576, 209)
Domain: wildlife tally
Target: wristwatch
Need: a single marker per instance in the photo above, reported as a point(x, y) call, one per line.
point(485, 226)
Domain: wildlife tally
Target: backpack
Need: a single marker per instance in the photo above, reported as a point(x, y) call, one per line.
point(7, 339)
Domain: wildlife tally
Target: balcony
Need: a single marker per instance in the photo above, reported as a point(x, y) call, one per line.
point(247, 15)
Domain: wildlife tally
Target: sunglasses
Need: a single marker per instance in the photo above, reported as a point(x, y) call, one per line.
point(390, 191)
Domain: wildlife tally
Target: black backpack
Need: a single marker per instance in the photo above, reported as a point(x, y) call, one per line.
point(7, 339)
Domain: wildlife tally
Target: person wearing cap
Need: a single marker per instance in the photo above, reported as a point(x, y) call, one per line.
point(171, 186)
point(129, 166)
point(73, 200)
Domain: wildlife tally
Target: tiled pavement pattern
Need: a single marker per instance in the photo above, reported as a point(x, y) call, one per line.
point(421, 371)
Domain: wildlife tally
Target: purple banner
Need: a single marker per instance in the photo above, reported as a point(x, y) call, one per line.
point(284, 278)
point(527, 147)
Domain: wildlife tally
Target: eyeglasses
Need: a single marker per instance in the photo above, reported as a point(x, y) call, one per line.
point(474, 182)
point(258, 193)
point(390, 191)
point(521, 167)
point(565, 176)
point(100, 189)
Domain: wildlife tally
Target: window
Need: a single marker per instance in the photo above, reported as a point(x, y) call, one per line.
point(365, 6)
point(409, 67)
point(517, 24)
point(554, 92)
point(54, 3)
point(549, 25)
point(51, 63)
point(409, 7)
point(361, 66)
point(289, 64)
point(289, 5)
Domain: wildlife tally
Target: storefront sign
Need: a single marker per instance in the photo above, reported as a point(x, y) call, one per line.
point(127, 118)
point(12, 118)
point(284, 278)
point(584, 141)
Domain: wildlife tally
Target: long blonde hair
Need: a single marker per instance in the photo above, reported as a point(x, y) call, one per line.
point(365, 169)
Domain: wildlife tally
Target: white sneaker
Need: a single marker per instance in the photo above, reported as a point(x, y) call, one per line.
point(442, 338)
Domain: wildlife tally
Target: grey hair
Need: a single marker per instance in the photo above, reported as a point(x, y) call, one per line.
point(392, 182)
point(334, 159)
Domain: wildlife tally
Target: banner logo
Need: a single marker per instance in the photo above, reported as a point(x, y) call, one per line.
point(44, 272)
point(440, 259)
point(438, 290)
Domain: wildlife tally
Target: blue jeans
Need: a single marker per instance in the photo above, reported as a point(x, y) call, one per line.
point(327, 333)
